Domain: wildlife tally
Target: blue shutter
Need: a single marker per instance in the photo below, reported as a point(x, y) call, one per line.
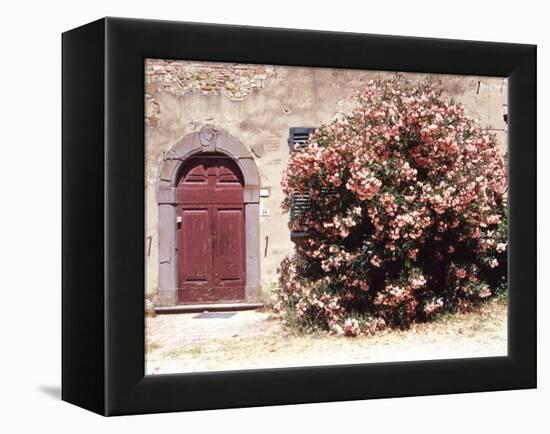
point(297, 138)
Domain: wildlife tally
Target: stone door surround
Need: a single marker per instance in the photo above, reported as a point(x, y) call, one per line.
point(207, 140)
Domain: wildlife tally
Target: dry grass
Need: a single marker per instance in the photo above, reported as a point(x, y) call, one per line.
point(485, 317)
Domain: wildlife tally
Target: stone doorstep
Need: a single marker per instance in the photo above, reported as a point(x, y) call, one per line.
point(215, 307)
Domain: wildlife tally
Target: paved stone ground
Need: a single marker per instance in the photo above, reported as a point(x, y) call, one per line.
point(179, 343)
point(185, 329)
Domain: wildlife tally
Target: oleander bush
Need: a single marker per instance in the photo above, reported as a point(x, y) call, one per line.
point(407, 219)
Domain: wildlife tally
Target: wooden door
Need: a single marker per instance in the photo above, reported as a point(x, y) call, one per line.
point(211, 248)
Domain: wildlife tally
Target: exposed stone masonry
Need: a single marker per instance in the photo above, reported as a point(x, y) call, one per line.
point(236, 81)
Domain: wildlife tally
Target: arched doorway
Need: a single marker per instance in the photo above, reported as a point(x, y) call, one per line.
point(210, 231)
point(179, 169)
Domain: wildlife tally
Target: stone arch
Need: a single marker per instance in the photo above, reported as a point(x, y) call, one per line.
point(208, 139)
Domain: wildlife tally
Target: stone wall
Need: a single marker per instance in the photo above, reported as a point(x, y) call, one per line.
point(258, 104)
point(234, 81)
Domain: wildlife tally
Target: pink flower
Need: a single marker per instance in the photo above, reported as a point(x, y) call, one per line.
point(493, 219)
point(375, 260)
point(351, 327)
point(485, 292)
point(412, 254)
point(460, 273)
point(433, 306)
point(418, 282)
point(364, 286)
point(501, 247)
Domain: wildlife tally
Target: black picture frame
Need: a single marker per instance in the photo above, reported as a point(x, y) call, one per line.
point(103, 216)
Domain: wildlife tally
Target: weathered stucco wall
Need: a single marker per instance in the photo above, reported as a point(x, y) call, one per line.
point(257, 105)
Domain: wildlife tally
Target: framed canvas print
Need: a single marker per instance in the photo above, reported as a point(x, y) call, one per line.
point(258, 216)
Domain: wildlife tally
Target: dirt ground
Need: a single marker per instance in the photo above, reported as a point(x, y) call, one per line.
point(180, 343)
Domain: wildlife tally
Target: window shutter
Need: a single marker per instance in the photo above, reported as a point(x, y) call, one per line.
point(298, 206)
point(297, 138)
point(300, 203)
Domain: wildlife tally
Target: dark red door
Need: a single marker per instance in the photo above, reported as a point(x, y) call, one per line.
point(211, 249)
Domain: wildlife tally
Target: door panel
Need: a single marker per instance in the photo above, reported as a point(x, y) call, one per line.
point(229, 245)
point(195, 247)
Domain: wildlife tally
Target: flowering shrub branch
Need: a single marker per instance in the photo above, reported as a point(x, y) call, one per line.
point(407, 219)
